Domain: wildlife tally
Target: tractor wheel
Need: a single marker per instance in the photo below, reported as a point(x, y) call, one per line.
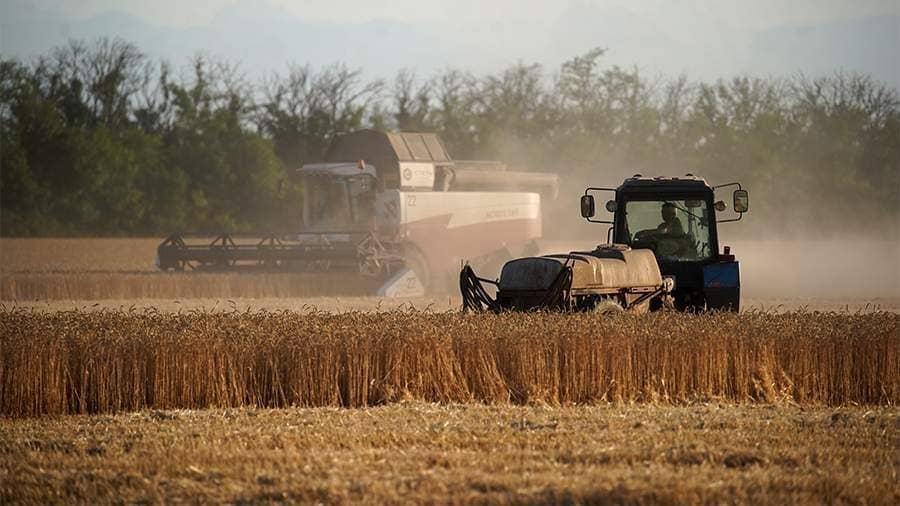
point(690, 302)
point(663, 303)
point(668, 303)
point(608, 307)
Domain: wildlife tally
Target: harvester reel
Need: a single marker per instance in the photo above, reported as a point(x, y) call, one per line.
point(374, 257)
point(370, 266)
point(319, 265)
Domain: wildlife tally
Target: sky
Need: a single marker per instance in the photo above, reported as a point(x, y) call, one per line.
point(703, 39)
point(753, 15)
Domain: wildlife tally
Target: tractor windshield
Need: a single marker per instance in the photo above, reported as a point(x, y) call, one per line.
point(675, 230)
point(333, 203)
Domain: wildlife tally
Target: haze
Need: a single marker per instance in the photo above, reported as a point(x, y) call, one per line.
point(705, 40)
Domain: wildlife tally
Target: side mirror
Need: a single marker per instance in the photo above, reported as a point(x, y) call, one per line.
point(587, 206)
point(741, 201)
point(612, 205)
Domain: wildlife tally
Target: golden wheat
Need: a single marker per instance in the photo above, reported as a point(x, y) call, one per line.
point(79, 362)
point(48, 255)
point(120, 286)
point(110, 269)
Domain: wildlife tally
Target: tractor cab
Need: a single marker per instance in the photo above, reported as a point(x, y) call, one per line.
point(677, 219)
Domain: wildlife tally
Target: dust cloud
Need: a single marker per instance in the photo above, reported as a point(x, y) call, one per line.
point(832, 269)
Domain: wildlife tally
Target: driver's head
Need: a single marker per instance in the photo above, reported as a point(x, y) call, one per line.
point(668, 212)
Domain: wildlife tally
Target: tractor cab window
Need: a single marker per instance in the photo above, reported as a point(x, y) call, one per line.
point(333, 203)
point(675, 230)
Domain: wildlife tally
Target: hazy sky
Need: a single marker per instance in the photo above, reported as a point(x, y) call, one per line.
point(704, 39)
point(679, 16)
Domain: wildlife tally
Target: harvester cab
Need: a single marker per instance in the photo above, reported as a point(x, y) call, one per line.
point(676, 218)
point(337, 197)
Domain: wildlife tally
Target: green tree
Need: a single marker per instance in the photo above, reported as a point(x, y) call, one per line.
point(303, 111)
point(232, 174)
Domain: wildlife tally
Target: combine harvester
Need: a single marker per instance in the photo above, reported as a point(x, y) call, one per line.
point(671, 259)
point(393, 207)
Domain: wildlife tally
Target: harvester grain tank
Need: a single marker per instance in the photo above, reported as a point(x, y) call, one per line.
point(391, 206)
point(662, 251)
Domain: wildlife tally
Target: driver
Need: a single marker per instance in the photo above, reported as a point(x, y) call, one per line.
point(671, 225)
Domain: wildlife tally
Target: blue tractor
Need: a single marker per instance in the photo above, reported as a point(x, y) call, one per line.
point(677, 218)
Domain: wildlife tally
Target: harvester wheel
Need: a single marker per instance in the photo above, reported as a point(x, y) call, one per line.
point(608, 307)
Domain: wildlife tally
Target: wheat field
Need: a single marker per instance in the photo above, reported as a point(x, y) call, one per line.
point(109, 361)
point(112, 272)
point(415, 453)
point(98, 286)
point(77, 254)
point(169, 397)
point(124, 268)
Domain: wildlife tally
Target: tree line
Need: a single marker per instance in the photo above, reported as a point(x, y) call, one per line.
point(98, 139)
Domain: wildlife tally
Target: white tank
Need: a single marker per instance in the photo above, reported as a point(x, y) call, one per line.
point(607, 267)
